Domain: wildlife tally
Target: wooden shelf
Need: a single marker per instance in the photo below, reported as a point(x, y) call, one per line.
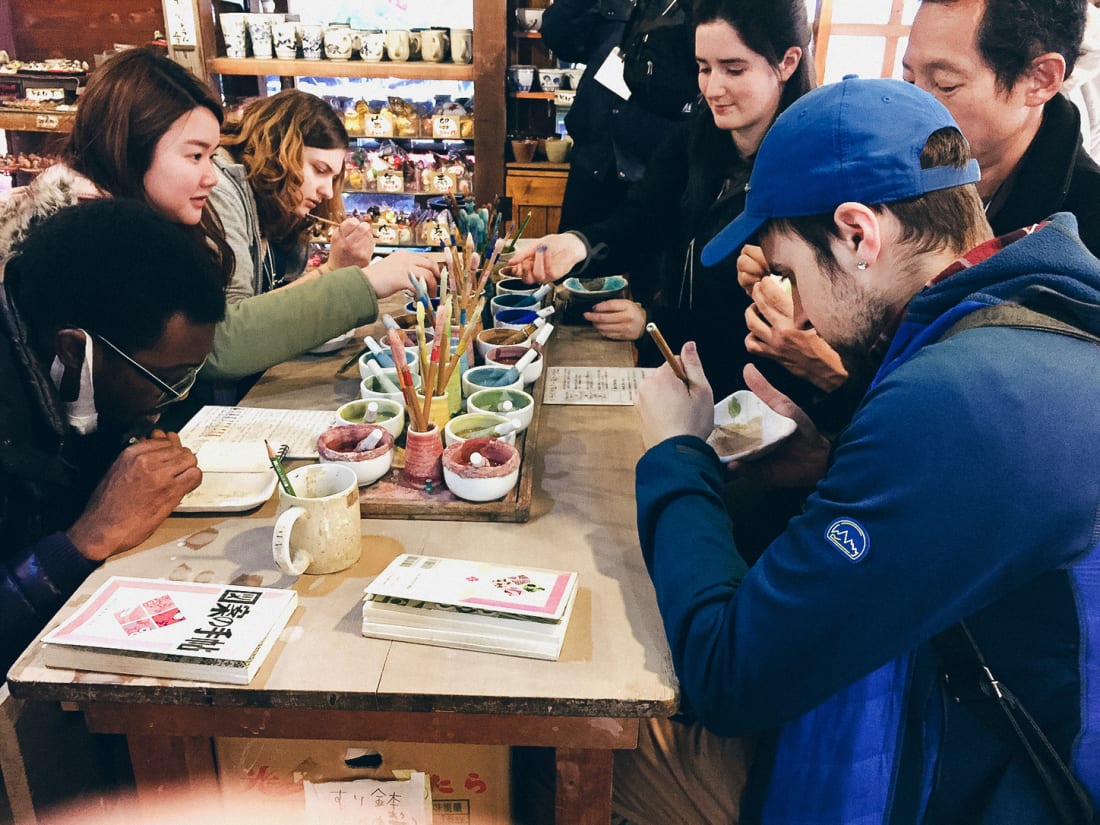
point(532, 95)
point(411, 70)
point(526, 35)
point(23, 120)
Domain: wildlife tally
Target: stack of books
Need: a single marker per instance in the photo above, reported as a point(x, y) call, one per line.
point(519, 611)
point(172, 630)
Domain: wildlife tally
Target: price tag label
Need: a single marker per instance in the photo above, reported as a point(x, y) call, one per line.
point(441, 183)
point(445, 126)
point(46, 121)
point(380, 125)
point(392, 182)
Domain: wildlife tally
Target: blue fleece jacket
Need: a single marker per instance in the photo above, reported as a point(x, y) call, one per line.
point(967, 486)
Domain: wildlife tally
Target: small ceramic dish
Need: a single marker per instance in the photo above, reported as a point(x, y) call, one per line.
point(511, 403)
point(333, 344)
point(508, 356)
point(488, 377)
point(490, 339)
point(529, 19)
point(480, 469)
point(388, 413)
point(745, 427)
point(464, 426)
point(341, 445)
point(510, 285)
point(385, 361)
point(371, 387)
point(512, 300)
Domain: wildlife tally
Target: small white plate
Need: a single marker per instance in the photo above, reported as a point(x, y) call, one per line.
point(229, 492)
point(333, 344)
point(757, 428)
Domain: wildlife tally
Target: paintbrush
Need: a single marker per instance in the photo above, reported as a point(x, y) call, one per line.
point(666, 351)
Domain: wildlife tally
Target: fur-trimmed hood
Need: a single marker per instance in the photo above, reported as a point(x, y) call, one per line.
point(53, 190)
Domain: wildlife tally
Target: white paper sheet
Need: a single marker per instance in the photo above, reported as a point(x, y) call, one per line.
point(608, 386)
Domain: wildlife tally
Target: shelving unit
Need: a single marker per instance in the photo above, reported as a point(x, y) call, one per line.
point(20, 120)
point(486, 72)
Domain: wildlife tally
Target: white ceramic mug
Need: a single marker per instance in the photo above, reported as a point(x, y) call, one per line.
point(259, 31)
point(317, 529)
point(462, 45)
point(374, 46)
point(434, 43)
point(285, 36)
point(235, 34)
point(338, 43)
point(312, 35)
point(397, 44)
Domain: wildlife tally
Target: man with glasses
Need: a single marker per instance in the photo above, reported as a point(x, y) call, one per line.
point(107, 312)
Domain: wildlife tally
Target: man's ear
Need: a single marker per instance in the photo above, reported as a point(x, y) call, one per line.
point(860, 235)
point(1043, 78)
point(69, 348)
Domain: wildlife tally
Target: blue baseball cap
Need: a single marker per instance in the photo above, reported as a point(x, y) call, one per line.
point(856, 140)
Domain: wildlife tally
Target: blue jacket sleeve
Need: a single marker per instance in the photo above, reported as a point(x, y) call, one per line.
point(34, 584)
point(949, 491)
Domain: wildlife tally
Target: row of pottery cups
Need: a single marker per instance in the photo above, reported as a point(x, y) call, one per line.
point(271, 33)
point(521, 78)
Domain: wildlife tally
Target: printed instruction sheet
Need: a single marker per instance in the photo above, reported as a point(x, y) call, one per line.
point(608, 386)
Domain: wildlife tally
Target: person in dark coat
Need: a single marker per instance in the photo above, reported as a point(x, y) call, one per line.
point(613, 138)
point(107, 313)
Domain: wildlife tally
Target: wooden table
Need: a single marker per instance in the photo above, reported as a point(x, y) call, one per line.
point(324, 680)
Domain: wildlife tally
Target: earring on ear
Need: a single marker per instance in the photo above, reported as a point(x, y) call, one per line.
point(861, 265)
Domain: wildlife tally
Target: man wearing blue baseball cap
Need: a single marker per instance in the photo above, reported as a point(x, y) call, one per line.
point(943, 581)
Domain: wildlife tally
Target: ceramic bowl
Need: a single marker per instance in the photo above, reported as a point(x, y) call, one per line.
point(338, 445)
point(490, 339)
point(514, 286)
point(583, 294)
point(550, 79)
point(557, 150)
point(523, 151)
point(388, 413)
point(508, 356)
point(385, 361)
point(510, 300)
point(486, 377)
point(491, 480)
point(369, 387)
point(522, 408)
point(410, 309)
point(515, 318)
point(574, 74)
point(460, 426)
point(745, 427)
point(529, 19)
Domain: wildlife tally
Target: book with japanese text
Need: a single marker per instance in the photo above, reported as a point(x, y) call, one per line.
point(172, 630)
point(519, 611)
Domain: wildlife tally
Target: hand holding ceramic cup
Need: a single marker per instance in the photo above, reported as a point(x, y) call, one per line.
point(317, 529)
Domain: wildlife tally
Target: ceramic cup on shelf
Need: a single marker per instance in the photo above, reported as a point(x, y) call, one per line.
point(550, 79)
point(235, 34)
point(397, 44)
point(523, 150)
point(462, 45)
point(312, 35)
point(374, 46)
point(259, 32)
point(435, 43)
point(285, 37)
point(338, 40)
point(557, 149)
point(416, 44)
point(521, 78)
point(327, 539)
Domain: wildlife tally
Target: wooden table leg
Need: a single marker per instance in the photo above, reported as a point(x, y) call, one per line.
point(171, 764)
point(583, 786)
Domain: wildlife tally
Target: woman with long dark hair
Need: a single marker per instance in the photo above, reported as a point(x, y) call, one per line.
point(754, 60)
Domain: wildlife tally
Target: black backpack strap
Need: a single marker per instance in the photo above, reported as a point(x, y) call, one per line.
point(970, 682)
point(967, 677)
point(1008, 314)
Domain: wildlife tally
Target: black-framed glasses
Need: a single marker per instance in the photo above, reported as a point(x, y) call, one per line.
point(169, 393)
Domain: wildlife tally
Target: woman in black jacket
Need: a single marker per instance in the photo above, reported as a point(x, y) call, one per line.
point(754, 60)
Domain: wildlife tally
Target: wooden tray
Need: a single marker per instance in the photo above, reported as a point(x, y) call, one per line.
point(390, 497)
